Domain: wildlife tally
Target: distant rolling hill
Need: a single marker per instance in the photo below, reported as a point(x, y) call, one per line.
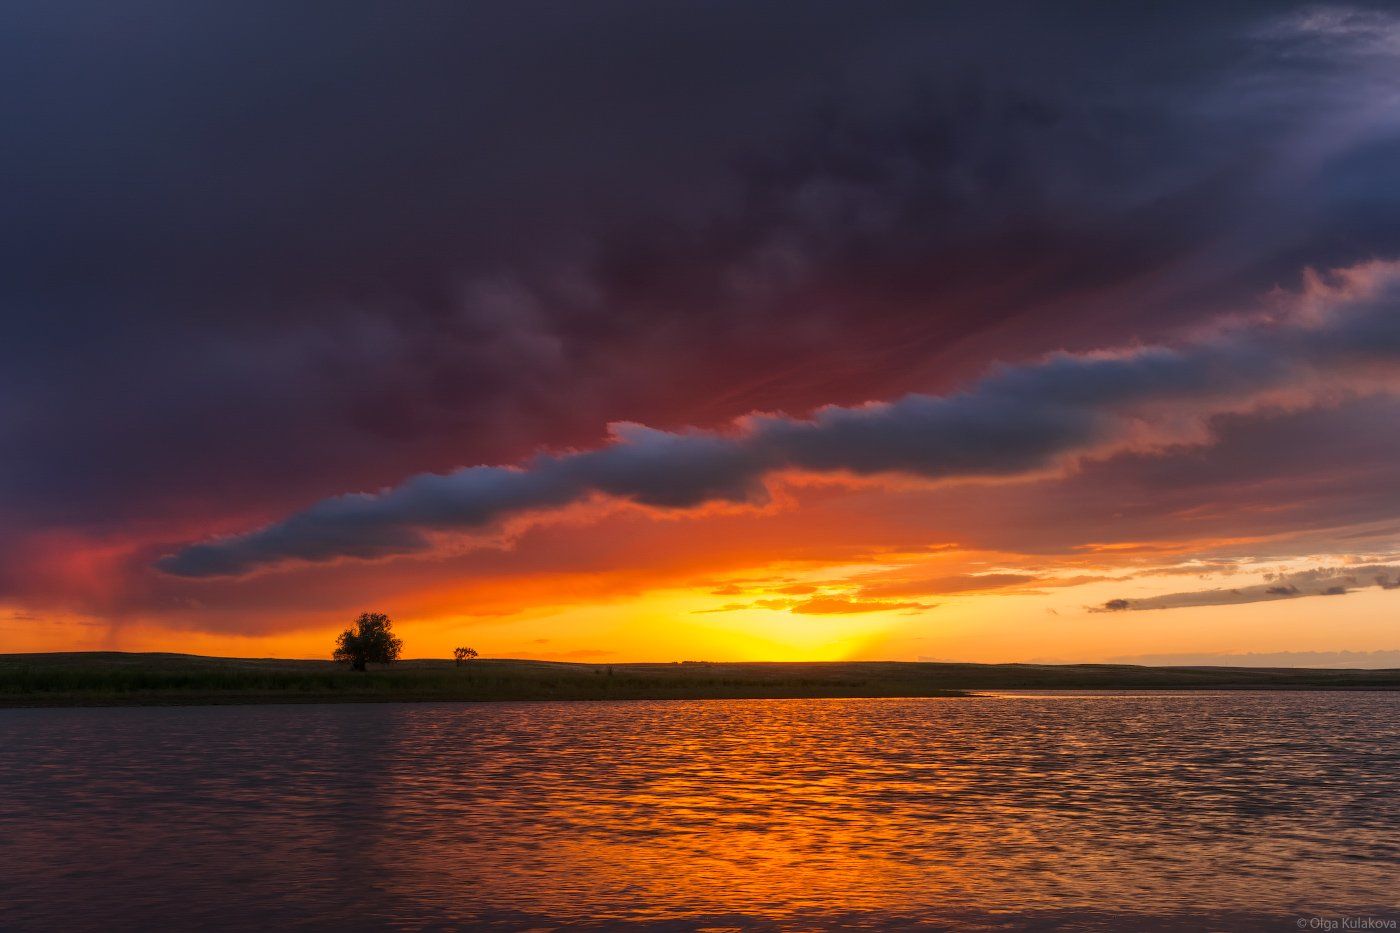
point(120, 678)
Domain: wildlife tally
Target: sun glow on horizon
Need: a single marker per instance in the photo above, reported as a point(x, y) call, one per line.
point(942, 602)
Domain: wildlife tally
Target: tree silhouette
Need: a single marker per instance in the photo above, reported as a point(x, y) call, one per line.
point(372, 639)
point(463, 654)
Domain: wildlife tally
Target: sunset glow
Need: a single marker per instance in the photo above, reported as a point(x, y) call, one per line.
point(653, 465)
point(844, 369)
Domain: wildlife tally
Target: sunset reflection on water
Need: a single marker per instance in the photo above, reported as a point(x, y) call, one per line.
point(794, 813)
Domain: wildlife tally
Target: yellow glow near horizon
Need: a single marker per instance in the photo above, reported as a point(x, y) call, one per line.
point(667, 626)
point(1038, 621)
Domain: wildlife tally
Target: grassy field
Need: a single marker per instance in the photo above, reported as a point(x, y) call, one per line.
point(116, 678)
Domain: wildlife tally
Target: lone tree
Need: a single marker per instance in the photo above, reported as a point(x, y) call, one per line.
point(372, 639)
point(463, 654)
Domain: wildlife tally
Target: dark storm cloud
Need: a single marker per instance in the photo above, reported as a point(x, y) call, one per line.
point(254, 254)
point(1016, 421)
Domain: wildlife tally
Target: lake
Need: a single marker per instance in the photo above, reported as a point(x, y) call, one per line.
point(1245, 810)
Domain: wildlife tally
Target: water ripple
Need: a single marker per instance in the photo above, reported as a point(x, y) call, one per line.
point(1002, 812)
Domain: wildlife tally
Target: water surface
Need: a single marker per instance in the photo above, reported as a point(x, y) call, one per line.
point(1115, 811)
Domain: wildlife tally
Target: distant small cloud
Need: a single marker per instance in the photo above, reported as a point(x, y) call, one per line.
point(954, 583)
point(1201, 568)
point(1320, 581)
point(839, 605)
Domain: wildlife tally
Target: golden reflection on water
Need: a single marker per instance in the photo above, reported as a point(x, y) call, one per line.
point(803, 813)
point(800, 807)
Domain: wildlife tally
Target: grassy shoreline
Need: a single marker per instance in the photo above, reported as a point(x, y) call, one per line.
point(123, 679)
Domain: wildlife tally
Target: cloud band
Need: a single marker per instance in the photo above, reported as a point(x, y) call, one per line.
point(1339, 335)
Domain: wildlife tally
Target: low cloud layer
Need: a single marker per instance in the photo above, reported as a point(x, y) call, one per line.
point(1339, 336)
point(1322, 581)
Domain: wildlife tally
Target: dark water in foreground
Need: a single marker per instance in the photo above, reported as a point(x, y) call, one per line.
point(1193, 811)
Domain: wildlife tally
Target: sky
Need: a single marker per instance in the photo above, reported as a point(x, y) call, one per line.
point(703, 330)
